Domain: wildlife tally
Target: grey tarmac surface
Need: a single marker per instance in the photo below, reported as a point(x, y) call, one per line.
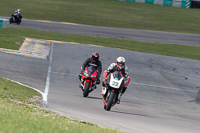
point(127, 34)
point(29, 71)
point(161, 97)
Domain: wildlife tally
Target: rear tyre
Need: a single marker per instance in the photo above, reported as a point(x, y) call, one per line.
point(86, 89)
point(10, 20)
point(110, 100)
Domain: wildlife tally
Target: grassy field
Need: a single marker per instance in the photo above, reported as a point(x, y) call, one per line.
point(19, 114)
point(11, 35)
point(108, 13)
point(10, 41)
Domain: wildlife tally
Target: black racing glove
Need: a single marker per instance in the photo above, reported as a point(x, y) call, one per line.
point(80, 75)
point(98, 81)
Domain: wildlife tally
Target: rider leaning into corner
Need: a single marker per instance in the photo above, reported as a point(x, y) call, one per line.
point(92, 61)
point(17, 12)
point(119, 65)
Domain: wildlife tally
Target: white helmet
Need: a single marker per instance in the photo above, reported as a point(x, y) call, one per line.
point(120, 61)
point(18, 10)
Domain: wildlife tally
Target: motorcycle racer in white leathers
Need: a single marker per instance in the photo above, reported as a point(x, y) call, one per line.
point(119, 65)
point(17, 12)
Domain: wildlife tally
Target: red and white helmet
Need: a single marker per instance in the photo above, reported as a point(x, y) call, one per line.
point(120, 61)
point(95, 56)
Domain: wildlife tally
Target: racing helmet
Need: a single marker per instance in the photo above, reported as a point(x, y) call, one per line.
point(95, 56)
point(18, 10)
point(120, 61)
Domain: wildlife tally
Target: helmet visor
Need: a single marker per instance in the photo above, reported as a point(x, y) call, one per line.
point(95, 58)
point(121, 64)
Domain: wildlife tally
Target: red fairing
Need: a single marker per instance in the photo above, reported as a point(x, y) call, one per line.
point(105, 74)
point(105, 102)
point(127, 82)
point(88, 79)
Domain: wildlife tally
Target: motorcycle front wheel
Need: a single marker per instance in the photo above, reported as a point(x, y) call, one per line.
point(86, 89)
point(19, 22)
point(110, 100)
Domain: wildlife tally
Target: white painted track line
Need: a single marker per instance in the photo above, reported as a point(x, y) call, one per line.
point(48, 76)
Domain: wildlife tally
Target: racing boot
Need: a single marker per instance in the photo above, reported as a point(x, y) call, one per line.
point(103, 90)
point(103, 93)
point(119, 97)
point(93, 88)
point(80, 75)
point(98, 81)
point(118, 102)
point(81, 86)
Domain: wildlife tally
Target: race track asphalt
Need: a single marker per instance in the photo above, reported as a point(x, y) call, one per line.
point(161, 97)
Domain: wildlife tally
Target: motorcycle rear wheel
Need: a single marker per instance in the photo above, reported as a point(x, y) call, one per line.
point(86, 89)
point(10, 20)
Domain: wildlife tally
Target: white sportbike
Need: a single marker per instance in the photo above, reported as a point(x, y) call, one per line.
point(113, 89)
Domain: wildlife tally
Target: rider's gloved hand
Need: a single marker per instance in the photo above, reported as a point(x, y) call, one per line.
point(105, 74)
point(98, 80)
point(126, 82)
point(80, 75)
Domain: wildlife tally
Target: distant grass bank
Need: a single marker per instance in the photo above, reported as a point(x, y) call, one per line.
point(18, 114)
point(108, 13)
point(12, 35)
point(10, 41)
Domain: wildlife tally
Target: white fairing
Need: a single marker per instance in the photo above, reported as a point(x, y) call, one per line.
point(115, 83)
point(104, 89)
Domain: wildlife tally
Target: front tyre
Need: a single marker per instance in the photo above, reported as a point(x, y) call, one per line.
point(110, 100)
point(86, 89)
point(18, 22)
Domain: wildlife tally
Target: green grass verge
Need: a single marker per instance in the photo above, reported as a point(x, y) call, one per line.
point(190, 52)
point(10, 41)
point(20, 115)
point(108, 13)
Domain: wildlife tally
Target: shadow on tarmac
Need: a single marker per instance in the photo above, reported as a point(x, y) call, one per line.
point(94, 97)
point(121, 112)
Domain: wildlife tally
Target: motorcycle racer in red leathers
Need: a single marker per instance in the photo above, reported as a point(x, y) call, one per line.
point(119, 65)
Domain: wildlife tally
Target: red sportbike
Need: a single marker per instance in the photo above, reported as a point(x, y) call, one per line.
point(88, 80)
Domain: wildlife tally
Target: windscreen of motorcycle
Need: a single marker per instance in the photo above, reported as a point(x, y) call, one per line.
point(91, 70)
point(116, 80)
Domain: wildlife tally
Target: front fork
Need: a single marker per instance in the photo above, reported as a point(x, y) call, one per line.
point(87, 80)
point(106, 94)
point(84, 83)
